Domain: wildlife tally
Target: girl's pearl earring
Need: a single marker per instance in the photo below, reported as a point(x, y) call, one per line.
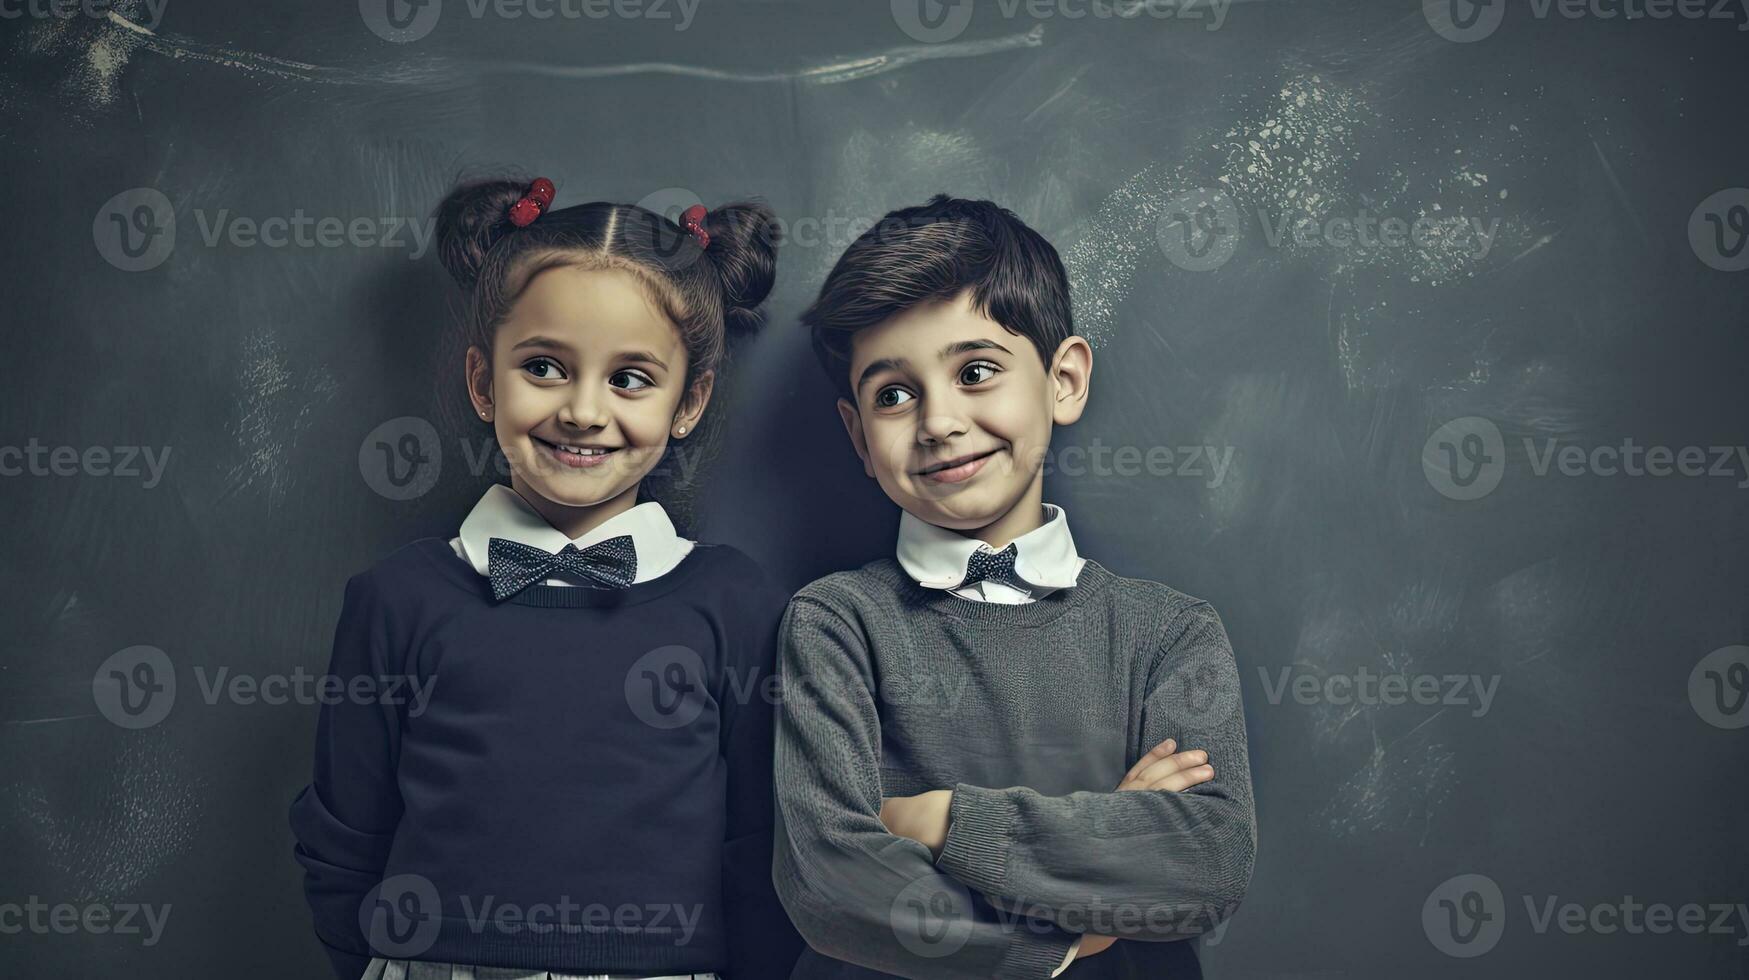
point(683, 430)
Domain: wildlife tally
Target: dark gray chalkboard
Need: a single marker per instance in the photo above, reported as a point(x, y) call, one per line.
point(1338, 381)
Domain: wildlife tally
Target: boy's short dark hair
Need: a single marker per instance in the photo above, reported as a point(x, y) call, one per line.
point(936, 251)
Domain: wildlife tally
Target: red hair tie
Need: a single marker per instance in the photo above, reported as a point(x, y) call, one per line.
point(692, 219)
point(531, 205)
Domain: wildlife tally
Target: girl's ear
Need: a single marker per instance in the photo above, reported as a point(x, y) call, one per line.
point(479, 379)
point(692, 405)
point(853, 427)
point(1071, 379)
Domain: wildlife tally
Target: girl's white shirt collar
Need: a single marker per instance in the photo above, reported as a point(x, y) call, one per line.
point(502, 513)
point(1045, 557)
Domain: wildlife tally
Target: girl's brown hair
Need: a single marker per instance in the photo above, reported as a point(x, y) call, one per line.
point(711, 294)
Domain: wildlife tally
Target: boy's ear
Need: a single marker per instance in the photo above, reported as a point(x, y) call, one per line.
point(1071, 378)
point(478, 375)
point(853, 427)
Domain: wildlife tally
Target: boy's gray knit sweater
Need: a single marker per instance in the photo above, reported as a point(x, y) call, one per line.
point(1031, 714)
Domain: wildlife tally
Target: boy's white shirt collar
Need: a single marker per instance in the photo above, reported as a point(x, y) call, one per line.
point(1045, 557)
point(502, 513)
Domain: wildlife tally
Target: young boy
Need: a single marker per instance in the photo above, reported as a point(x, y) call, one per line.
point(954, 718)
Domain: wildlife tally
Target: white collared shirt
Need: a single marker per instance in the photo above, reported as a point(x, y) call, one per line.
point(1045, 559)
point(502, 513)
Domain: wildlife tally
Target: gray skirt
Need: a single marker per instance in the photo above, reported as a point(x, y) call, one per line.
point(383, 969)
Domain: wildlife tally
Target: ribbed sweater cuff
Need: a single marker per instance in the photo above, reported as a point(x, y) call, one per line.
point(1034, 955)
point(979, 832)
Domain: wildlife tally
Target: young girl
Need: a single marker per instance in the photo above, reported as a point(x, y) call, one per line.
point(582, 785)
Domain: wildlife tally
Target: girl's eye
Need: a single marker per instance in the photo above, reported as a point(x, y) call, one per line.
point(630, 380)
point(545, 369)
point(977, 372)
point(891, 397)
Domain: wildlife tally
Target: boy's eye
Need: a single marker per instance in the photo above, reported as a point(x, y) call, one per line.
point(891, 397)
point(630, 380)
point(977, 372)
point(544, 368)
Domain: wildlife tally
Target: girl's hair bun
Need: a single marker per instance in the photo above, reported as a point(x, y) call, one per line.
point(744, 240)
point(471, 219)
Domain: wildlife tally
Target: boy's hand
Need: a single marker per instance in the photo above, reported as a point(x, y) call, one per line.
point(923, 817)
point(1161, 769)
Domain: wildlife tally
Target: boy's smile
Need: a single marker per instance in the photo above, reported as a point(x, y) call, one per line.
point(953, 415)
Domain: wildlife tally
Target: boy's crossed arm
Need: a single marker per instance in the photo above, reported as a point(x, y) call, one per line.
point(854, 890)
point(1140, 865)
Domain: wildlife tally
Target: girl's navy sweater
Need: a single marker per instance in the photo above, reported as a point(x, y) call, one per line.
point(573, 779)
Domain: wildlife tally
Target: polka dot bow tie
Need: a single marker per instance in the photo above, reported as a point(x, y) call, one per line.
point(514, 566)
point(994, 566)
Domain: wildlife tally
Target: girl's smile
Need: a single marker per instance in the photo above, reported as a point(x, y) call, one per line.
point(577, 456)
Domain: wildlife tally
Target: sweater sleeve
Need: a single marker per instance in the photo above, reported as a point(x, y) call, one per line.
point(762, 943)
point(345, 819)
point(857, 892)
point(1148, 865)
